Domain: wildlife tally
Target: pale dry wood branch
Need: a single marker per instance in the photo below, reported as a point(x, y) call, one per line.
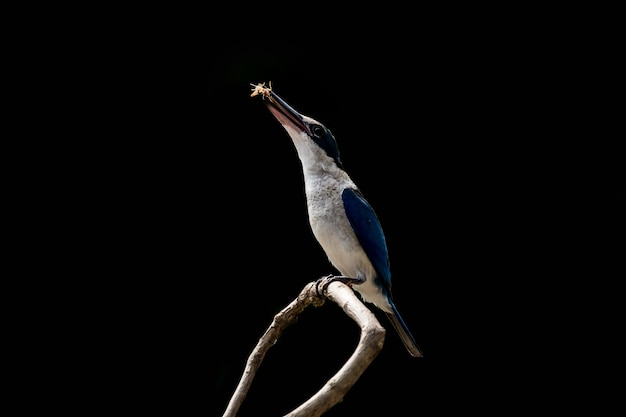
point(281, 321)
point(370, 345)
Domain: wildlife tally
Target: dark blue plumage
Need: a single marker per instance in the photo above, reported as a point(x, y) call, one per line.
point(369, 232)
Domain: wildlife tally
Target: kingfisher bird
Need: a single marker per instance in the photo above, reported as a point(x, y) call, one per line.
point(342, 221)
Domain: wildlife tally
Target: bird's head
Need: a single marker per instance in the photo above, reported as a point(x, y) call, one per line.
point(313, 141)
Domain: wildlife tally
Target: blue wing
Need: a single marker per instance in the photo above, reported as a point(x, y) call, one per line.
point(369, 232)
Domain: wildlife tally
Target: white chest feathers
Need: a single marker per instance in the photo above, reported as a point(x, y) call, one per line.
point(333, 231)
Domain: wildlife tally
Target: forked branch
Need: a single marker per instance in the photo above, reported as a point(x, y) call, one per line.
point(370, 345)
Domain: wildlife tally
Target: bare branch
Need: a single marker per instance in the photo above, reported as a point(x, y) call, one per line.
point(370, 344)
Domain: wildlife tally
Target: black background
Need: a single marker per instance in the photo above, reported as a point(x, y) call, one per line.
point(183, 199)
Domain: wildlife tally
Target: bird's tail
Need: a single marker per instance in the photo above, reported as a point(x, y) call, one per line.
point(404, 333)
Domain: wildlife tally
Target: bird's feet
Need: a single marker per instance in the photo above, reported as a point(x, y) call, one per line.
point(322, 284)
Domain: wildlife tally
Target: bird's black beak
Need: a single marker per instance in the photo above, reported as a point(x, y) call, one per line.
point(286, 115)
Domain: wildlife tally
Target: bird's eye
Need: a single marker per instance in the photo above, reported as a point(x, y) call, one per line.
point(317, 130)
